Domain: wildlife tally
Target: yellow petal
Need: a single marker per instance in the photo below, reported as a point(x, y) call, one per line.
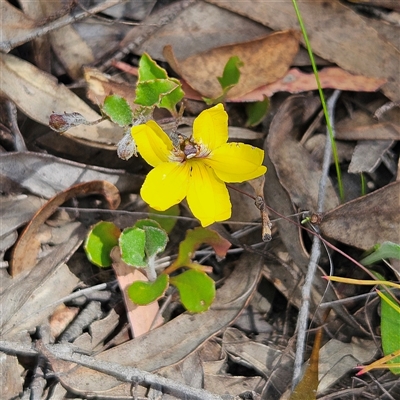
point(207, 197)
point(236, 162)
point(152, 142)
point(211, 127)
point(166, 185)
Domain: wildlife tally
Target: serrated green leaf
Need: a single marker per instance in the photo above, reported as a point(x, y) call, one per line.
point(381, 252)
point(149, 69)
point(194, 238)
point(256, 111)
point(117, 109)
point(143, 293)
point(166, 223)
point(390, 329)
point(170, 100)
point(132, 244)
point(151, 93)
point(196, 289)
point(231, 74)
point(99, 243)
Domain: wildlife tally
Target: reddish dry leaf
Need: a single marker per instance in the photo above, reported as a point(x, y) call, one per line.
point(265, 60)
point(27, 248)
point(296, 81)
point(366, 221)
point(141, 318)
point(336, 33)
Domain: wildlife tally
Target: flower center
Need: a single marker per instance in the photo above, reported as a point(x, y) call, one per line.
point(187, 149)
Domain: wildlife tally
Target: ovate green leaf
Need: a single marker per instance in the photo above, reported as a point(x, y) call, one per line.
point(196, 289)
point(194, 238)
point(117, 109)
point(132, 243)
point(100, 241)
point(143, 293)
point(231, 74)
point(149, 70)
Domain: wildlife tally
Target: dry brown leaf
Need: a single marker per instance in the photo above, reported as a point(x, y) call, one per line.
point(336, 33)
point(394, 5)
point(296, 81)
point(46, 175)
point(265, 60)
point(38, 94)
point(20, 293)
point(199, 28)
point(374, 131)
point(27, 248)
point(70, 48)
point(171, 342)
point(366, 221)
point(11, 377)
point(141, 318)
point(100, 85)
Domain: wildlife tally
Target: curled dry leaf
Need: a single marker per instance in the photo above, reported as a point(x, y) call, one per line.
point(26, 250)
point(265, 60)
point(366, 221)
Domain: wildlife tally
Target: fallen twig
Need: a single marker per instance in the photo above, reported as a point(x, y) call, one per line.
point(315, 254)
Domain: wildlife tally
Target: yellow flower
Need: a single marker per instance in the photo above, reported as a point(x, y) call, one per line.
point(197, 167)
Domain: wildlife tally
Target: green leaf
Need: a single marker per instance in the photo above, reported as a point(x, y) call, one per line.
point(231, 75)
point(150, 93)
point(382, 251)
point(99, 243)
point(170, 100)
point(194, 238)
point(149, 70)
point(256, 111)
point(390, 329)
point(166, 223)
point(117, 109)
point(156, 240)
point(132, 243)
point(196, 289)
point(143, 293)
point(141, 223)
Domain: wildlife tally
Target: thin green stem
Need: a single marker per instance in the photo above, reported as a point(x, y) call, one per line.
point(321, 95)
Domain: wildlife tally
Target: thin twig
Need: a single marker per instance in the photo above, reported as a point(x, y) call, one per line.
point(315, 253)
